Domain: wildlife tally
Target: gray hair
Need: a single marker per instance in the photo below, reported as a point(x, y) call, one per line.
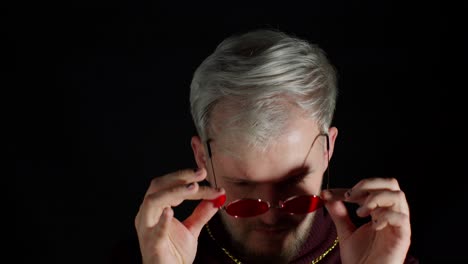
point(252, 78)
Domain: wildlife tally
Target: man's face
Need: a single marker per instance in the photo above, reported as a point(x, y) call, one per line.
point(286, 168)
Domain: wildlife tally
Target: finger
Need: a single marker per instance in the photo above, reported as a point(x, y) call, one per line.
point(360, 191)
point(205, 210)
point(394, 200)
point(154, 203)
point(385, 218)
point(177, 178)
point(192, 191)
point(340, 216)
point(334, 194)
point(161, 229)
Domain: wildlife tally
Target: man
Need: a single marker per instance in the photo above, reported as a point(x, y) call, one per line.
point(263, 105)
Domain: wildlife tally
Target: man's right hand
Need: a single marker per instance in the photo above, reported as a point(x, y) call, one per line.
point(162, 237)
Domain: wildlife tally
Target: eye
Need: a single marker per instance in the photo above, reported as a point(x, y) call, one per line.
point(241, 183)
point(297, 179)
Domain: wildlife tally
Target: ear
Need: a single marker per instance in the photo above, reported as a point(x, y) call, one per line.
point(199, 152)
point(332, 134)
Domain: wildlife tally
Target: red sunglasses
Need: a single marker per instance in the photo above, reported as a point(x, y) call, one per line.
point(302, 204)
point(299, 204)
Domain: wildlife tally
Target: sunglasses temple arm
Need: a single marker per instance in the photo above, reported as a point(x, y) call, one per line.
point(328, 161)
point(208, 146)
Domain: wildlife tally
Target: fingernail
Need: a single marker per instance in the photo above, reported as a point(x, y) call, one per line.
point(326, 194)
point(190, 186)
point(347, 194)
point(219, 201)
point(359, 211)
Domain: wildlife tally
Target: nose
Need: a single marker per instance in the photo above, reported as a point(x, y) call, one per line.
point(272, 195)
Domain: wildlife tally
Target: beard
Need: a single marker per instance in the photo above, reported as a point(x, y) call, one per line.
point(257, 242)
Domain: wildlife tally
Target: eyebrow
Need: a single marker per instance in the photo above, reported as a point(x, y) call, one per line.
point(294, 174)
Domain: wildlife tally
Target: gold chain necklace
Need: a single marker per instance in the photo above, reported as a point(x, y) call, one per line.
point(316, 260)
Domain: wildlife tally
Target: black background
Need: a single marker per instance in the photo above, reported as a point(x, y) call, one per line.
point(101, 107)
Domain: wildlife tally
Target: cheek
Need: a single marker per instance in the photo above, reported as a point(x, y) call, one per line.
point(238, 228)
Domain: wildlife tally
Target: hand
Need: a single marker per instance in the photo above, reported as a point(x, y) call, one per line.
point(387, 237)
point(163, 238)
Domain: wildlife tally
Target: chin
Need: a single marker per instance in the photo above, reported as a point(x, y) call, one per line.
point(279, 243)
point(271, 248)
point(270, 239)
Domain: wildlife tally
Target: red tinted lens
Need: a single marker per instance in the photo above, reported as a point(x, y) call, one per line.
point(302, 204)
point(247, 208)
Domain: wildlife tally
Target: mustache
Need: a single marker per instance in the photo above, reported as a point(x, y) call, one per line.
point(286, 223)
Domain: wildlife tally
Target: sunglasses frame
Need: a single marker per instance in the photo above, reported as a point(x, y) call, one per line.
point(280, 204)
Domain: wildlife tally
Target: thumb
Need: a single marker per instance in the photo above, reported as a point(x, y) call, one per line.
point(339, 214)
point(204, 211)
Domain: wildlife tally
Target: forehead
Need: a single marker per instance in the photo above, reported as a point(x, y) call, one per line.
point(283, 156)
